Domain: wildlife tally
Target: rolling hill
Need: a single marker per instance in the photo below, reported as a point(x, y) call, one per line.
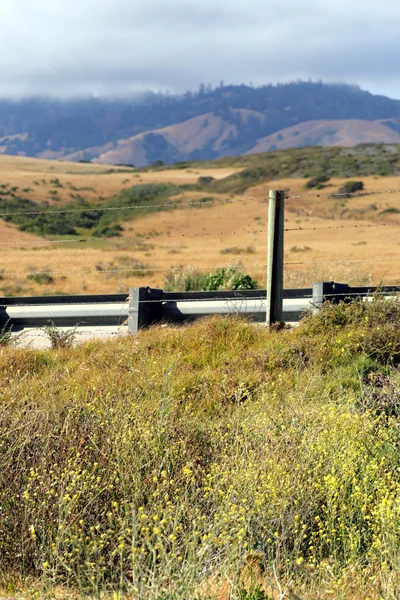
point(212, 123)
point(210, 133)
point(345, 133)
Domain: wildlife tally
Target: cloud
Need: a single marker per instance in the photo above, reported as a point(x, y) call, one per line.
point(70, 47)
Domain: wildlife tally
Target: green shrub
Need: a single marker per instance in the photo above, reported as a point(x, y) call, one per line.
point(60, 338)
point(388, 211)
point(184, 281)
point(317, 182)
point(351, 187)
point(238, 250)
point(229, 279)
point(196, 281)
point(41, 278)
point(205, 180)
point(254, 592)
point(107, 231)
point(6, 336)
point(102, 223)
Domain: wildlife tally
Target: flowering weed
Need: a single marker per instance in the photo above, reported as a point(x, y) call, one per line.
point(211, 461)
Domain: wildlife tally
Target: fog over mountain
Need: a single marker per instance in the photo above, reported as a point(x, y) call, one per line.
point(209, 123)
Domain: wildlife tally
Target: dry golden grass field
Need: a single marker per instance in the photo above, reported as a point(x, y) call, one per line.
point(199, 237)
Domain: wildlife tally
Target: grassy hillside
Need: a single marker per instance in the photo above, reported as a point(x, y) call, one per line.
point(363, 160)
point(328, 133)
point(209, 133)
point(211, 461)
point(202, 221)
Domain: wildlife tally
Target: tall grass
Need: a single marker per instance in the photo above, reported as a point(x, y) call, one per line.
point(211, 461)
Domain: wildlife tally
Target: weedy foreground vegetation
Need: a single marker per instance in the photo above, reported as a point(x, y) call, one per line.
point(213, 461)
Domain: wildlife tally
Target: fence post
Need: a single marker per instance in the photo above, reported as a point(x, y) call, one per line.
point(275, 256)
point(145, 308)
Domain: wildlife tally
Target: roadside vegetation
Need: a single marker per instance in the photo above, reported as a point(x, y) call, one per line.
point(212, 461)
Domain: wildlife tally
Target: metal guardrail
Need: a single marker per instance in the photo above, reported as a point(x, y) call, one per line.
point(145, 306)
point(148, 306)
point(64, 311)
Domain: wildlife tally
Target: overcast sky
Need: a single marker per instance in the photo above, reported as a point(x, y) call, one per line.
point(113, 47)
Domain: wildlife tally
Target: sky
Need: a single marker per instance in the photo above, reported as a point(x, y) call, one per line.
point(118, 47)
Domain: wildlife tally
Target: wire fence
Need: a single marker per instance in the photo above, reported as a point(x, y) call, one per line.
point(179, 204)
point(150, 236)
point(143, 237)
point(137, 238)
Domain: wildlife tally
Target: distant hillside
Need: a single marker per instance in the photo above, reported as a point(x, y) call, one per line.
point(345, 133)
point(211, 123)
point(201, 137)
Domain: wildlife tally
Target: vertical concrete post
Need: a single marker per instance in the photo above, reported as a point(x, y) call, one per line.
point(275, 256)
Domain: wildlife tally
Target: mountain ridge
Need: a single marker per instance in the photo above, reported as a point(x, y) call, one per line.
point(208, 124)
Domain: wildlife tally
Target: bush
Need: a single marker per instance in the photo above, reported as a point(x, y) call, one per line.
point(107, 231)
point(41, 278)
point(255, 592)
point(351, 187)
point(375, 325)
point(184, 281)
point(104, 223)
point(205, 180)
point(6, 336)
point(60, 338)
point(317, 182)
point(195, 281)
point(229, 279)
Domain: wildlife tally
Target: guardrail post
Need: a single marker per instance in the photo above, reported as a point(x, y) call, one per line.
point(327, 290)
point(133, 318)
point(145, 308)
point(275, 256)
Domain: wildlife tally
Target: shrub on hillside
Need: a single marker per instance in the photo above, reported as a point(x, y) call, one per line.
point(41, 278)
point(351, 187)
point(317, 182)
point(205, 180)
point(107, 231)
